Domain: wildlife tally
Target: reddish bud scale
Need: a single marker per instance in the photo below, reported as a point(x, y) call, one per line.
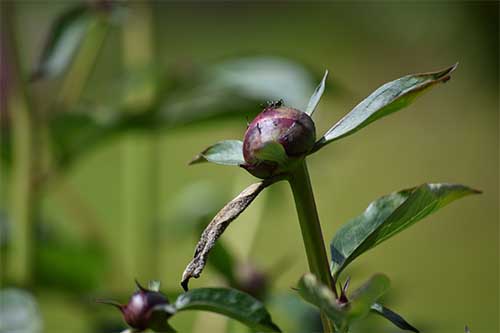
point(291, 128)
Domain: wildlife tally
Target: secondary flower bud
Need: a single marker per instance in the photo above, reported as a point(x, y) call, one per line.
point(252, 281)
point(144, 309)
point(292, 129)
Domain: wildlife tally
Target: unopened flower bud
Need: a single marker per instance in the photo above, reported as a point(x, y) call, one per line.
point(275, 138)
point(252, 281)
point(146, 309)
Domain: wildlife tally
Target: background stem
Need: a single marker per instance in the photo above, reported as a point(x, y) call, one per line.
point(138, 252)
point(311, 230)
point(25, 156)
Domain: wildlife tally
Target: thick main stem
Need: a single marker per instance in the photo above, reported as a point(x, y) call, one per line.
point(311, 230)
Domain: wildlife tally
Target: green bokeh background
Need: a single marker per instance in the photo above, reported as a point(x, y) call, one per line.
point(444, 271)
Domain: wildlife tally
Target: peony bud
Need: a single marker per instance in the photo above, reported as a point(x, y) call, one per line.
point(276, 138)
point(146, 309)
point(252, 281)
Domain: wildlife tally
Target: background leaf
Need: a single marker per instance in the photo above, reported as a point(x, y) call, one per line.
point(19, 312)
point(231, 89)
point(262, 78)
point(63, 40)
point(388, 216)
point(314, 292)
point(393, 317)
point(316, 96)
point(387, 99)
point(365, 296)
point(231, 303)
point(227, 152)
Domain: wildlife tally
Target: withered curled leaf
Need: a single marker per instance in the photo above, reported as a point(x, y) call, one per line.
point(217, 226)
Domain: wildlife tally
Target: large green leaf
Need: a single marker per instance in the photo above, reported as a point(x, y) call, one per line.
point(387, 99)
point(388, 216)
point(393, 317)
point(362, 299)
point(227, 152)
point(316, 293)
point(231, 303)
point(63, 40)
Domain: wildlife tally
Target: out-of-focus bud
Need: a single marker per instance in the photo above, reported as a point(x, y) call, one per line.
point(146, 309)
point(252, 281)
point(275, 139)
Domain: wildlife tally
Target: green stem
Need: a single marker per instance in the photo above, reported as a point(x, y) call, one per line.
point(24, 131)
point(311, 230)
point(138, 255)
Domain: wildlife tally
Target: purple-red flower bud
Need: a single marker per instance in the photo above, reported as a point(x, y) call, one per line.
point(144, 309)
point(292, 129)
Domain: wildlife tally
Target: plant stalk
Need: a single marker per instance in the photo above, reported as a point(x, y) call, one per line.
point(311, 230)
point(138, 255)
point(25, 166)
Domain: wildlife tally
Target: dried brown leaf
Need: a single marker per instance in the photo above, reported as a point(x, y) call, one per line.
point(217, 226)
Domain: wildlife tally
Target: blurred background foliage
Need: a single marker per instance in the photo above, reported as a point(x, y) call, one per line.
point(103, 105)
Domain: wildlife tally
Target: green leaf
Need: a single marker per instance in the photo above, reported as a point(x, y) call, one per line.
point(227, 152)
point(265, 78)
point(231, 89)
point(316, 96)
point(393, 317)
point(158, 321)
point(272, 151)
point(63, 40)
point(364, 297)
point(387, 99)
point(154, 285)
point(388, 216)
point(231, 303)
point(316, 293)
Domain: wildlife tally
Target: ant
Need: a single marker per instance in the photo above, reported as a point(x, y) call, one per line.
point(272, 104)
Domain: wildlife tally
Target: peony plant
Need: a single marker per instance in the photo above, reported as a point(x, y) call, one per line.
point(275, 148)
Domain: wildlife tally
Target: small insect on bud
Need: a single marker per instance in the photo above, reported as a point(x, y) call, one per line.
point(146, 309)
point(276, 138)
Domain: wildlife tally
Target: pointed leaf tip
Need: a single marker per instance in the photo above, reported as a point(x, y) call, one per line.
point(393, 317)
point(139, 286)
point(227, 152)
point(387, 99)
point(389, 215)
point(110, 302)
point(316, 96)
